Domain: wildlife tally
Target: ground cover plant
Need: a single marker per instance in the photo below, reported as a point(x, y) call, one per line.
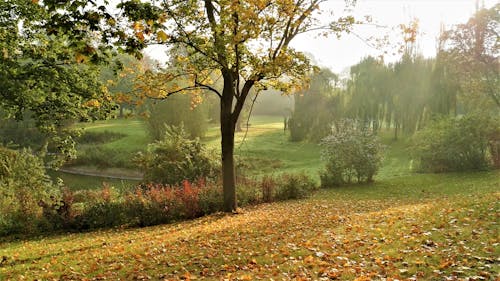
point(422, 227)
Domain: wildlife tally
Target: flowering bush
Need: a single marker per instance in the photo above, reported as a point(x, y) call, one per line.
point(352, 153)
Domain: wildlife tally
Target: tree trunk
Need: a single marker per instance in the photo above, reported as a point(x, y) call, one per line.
point(396, 127)
point(227, 126)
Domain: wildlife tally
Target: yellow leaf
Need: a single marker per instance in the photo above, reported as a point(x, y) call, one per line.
point(309, 259)
point(246, 277)
point(80, 58)
point(162, 36)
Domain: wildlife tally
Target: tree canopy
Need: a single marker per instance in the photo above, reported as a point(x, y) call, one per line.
point(42, 69)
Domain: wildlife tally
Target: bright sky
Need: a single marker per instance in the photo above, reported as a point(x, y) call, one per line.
point(339, 55)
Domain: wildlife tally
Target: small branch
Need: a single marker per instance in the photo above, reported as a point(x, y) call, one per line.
point(248, 120)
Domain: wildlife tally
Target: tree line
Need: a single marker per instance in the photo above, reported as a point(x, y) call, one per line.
point(406, 95)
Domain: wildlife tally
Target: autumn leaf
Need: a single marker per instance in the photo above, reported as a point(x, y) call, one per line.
point(162, 36)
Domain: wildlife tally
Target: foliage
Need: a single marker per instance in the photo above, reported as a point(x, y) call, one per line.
point(42, 71)
point(176, 111)
point(352, 152)
point(315, 108)
point(120, 78)
point(23, 184)
point(472, 48)
point(413, 227)
point(176, 158)
point(464, 143)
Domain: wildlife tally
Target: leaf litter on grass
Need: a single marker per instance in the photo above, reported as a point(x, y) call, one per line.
point(453, 238)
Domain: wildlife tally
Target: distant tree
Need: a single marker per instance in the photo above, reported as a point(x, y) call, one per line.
point(367, 89)
point(316, 107)
point(176, 111)
point(272, 102)
point(120, 79)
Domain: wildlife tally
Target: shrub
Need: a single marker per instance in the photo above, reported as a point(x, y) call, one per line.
point(352, 152)
point(458, 144)
point(23, 133)
point(177, 158)
point(149, 204)
point(294, 186)
point(23, 185)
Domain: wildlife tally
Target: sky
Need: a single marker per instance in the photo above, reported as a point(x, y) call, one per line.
point(340, 54)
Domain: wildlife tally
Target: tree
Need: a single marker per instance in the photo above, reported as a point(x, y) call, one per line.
point(120, 78)
point(316, 108)
point(247, 43)
point(474, 49)
point(42, 69)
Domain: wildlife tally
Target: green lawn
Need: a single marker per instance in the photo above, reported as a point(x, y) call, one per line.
point(80, 182)
point(262, 149)
point(136, 135)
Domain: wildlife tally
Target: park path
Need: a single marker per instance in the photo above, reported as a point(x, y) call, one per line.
point(102, 174)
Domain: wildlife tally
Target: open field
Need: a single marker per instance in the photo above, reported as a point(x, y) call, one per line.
point(424, 226)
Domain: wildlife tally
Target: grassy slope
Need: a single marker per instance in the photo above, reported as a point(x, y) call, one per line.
point(136, 136)
point(264, 149)
point(427, 226)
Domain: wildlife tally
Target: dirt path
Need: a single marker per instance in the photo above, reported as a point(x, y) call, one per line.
point(133, 175)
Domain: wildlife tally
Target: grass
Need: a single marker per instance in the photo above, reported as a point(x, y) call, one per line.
point(405, 225)
point(430, 227)
point(263, 149)
point(136, 138)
